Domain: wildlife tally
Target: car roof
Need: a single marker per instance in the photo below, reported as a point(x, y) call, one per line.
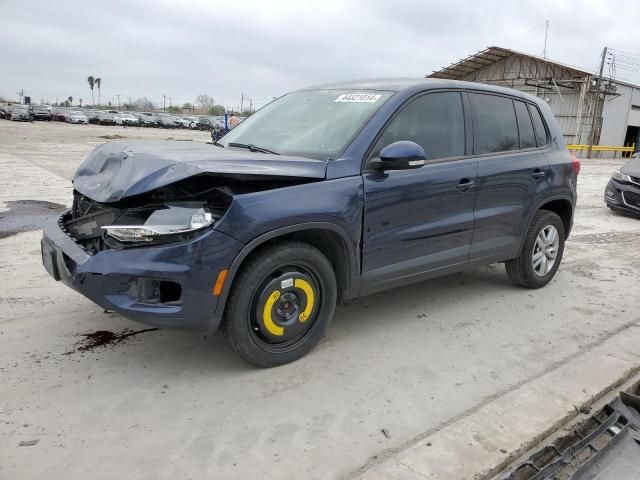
point(415, 85)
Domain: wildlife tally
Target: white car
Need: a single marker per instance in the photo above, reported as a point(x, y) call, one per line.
point(125, 119)
point(187, 121)
point(76, 116)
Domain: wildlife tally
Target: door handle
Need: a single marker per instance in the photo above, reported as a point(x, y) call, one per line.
point(538, 174)
point(465, 184)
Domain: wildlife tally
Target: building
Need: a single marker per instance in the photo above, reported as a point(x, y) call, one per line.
point(569, 91)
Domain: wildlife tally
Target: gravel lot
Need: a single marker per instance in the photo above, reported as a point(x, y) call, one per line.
point(393, 369)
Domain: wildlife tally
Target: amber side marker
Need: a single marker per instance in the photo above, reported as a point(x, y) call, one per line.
point(217, 288)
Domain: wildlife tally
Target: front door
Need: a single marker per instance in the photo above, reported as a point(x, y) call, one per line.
point(419, 223)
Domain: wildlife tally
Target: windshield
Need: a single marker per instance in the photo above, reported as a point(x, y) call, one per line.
point(311, 123)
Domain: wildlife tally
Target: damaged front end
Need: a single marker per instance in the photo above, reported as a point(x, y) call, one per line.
point(147, 246)
point(170, 214)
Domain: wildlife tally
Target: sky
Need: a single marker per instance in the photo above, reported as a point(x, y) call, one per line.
point(262, 49)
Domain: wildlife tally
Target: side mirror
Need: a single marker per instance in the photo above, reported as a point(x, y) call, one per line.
point(403, 155)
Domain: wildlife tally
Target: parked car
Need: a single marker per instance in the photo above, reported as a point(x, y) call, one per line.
point(167, 121)
point(202, 123)
point(147, 119)
point(186, 122)
point(126, 119)
point(40, 112)
point(20, 113)
point(106, 118)
point(623, 190)
point(4, 111)
point(92, 115)
point(59, 114)
point(293, 211)
point(76, 116)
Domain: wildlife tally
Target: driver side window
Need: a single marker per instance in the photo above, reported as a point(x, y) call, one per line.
point(434, 121)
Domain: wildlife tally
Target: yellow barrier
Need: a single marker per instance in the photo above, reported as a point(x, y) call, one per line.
point(605, 148)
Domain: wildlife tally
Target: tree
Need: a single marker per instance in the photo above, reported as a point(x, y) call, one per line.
point(187, 106)
point(216, 110)
point(144, 103)
point(204, 101)
point(70, 100)
point(174, 109)
point(80, 101)
point(98, 82)
point(92, 82)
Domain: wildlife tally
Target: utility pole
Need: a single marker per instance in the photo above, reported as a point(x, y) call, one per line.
point(21, 94)
point(597, 102)
point(241, 103)
point(118, 101)
point(164, 98)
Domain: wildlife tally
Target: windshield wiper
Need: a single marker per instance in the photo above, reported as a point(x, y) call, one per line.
point(252, 148)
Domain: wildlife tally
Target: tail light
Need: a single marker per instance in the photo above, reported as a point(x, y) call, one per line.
point(575, 163)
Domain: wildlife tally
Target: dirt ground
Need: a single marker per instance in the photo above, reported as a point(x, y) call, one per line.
point(88, 394)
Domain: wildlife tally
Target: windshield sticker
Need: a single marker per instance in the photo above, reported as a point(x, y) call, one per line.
point(357, 98)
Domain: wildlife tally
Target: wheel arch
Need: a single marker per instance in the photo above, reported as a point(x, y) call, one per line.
point(560, 205)
point(332, 240)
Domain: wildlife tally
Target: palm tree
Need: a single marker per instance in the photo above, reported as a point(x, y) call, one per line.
point(92, 82)
point(70, 99)
point(98, 81)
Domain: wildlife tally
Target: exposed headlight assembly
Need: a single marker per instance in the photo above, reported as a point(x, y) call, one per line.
point(621, 177)
point(162, 224)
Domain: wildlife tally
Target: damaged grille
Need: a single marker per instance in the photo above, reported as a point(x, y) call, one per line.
point(85, 221)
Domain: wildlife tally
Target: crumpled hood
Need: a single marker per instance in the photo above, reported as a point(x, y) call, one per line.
point(122, 169)
point(632, 167)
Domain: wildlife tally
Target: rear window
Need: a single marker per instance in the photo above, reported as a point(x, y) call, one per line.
point(538, 123)
point(495, 127)
point(525, 127)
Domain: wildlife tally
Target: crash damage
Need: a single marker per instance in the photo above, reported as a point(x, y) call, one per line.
point(165, 195)
point(124, 184)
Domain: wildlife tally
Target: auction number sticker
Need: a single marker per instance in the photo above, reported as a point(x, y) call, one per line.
point(358, 98)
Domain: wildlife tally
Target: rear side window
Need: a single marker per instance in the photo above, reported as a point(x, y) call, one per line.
point(538, 123)
point(434, 121)
point(525, 127)
point(495, 128)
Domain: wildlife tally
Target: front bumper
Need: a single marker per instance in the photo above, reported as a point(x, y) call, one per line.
point(623, 196)
point(112, 278)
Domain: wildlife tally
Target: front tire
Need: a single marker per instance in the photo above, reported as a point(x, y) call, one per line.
point(280, 304)
point(541, 253)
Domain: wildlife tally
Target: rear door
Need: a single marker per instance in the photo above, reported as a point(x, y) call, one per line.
point(419, 223)
point(512, 174)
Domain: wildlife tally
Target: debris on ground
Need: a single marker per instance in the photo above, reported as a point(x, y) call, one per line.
point(111, 137)
point(604, 446)
point(28, 443)
point(386, 433)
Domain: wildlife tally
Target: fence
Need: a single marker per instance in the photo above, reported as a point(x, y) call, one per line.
point(605, 148)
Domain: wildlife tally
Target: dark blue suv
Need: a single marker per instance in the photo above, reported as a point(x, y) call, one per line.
point(325, 194)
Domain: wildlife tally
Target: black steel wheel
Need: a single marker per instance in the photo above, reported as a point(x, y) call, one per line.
point(280, 304)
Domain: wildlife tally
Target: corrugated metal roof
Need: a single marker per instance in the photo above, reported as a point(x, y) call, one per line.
point(489, 56)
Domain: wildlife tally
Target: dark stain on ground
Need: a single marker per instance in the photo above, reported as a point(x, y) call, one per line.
point(26, 215)
point(111, 137)
point(105, 338)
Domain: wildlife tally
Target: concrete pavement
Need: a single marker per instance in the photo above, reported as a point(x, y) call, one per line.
point(412, 362)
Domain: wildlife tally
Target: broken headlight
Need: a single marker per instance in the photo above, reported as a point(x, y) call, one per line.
point(174, 219)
